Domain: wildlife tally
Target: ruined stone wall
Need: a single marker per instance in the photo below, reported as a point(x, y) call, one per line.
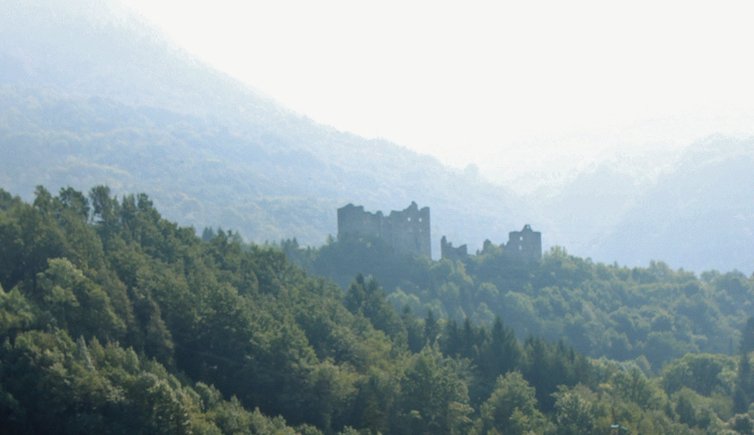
point(406, 231)
point(355, 222)
point(448, 251)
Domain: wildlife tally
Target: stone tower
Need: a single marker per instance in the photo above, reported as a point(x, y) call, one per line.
point(525, 244)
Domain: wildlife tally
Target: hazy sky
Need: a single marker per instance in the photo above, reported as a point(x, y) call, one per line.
point(504, 85)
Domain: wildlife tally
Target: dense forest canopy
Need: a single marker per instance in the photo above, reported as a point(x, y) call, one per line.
point(113, 319)
point(652, 314)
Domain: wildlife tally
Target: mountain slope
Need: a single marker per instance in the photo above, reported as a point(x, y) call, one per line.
point(699, 216)
point(94, 96)
point(691, 208)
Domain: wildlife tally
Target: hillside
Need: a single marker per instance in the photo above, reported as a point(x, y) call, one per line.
point(649, 314)
point(699, 215)
point(94, 96)
point(115, 320)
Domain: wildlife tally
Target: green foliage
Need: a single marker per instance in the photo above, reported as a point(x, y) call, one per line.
point(434, 396)
point(747, 337)
point(75, 303)
point(366, 298)
point(16, 313)
point(631, 385)
point(743, 394)
point(601, 310)
point(119, 321)
point(575, 413)
point(703, 373)
point(58, 386)
point(695, 410)
point(512, 408)
point(742, 424)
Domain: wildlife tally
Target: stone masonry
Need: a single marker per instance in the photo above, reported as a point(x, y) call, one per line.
point(406, 231)
point(448, 251)
point(525, 244)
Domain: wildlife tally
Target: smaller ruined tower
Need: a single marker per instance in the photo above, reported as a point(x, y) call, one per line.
point(353, 221)
point(525, 244)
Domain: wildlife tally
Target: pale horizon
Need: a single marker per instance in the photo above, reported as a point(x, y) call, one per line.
point(512, 89)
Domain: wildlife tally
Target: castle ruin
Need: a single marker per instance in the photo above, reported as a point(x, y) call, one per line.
point(405, 231)
point(449, 252)
point(525, 244)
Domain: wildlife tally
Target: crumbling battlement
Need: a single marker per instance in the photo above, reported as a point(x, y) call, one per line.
point(448, 251)
point(525, 245)
point(406, 231)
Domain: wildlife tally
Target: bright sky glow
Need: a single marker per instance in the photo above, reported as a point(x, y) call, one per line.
point(512, 87)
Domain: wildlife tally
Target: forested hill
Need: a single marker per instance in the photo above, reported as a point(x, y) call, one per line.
point(117, 321)
point(114, 320)
point(90, 95)
point(653, 314)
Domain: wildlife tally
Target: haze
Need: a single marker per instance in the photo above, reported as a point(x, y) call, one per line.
point(622, 134)
point(513, 88)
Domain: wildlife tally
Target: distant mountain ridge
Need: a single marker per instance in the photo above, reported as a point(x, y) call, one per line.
point(698, 213)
